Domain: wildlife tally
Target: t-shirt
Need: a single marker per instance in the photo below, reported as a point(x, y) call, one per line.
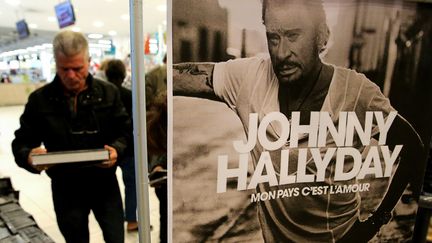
point(249, 85)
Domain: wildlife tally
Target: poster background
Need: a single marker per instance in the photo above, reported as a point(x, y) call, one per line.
point(388, 41)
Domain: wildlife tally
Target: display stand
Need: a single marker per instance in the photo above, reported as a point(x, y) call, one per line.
point(16, 225)
point(139, 118)
point(424, 214)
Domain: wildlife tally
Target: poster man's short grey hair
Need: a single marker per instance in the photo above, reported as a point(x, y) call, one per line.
point(318, 15)
point(70, 43)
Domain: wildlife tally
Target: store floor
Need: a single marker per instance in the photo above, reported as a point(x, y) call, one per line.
point(35, 191)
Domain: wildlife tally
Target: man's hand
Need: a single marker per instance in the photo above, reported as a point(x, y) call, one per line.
point(38, 150)
point(160, 183)
point(157, 168)
point(113, 158)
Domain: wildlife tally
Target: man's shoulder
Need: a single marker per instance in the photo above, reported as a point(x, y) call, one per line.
point(255, 60)
point(157, 69)
point(157, 72)
point(44, 98)
point(349, 73)
point(250, 66)
point(104, 90)
point(351, 79)
point(350, 88)
point(241, 80)
point(43, 92)
point(99, 82)
point(104, 85)
point(124, 91)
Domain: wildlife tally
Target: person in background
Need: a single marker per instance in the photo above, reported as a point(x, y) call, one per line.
point(100, 73)
point(77, 111)
point(157, 149)
point(127, 83)
point(156, 81)
point(156, 88)
point(115, 72)
point(5, 78)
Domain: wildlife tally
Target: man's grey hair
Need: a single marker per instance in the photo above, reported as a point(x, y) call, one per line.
point(70, 43)
point(316, 9)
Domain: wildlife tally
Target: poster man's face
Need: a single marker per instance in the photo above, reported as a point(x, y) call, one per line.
point(73, 71)
point(291, 40)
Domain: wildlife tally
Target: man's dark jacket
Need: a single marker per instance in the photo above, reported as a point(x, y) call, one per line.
point(50, 116)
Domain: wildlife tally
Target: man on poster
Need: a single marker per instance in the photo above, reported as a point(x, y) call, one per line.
point(294, 78)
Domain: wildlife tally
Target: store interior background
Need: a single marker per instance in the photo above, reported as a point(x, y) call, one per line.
point(28, 64)
point(28, 61)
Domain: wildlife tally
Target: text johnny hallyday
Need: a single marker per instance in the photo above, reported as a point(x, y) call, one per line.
point(320, 129)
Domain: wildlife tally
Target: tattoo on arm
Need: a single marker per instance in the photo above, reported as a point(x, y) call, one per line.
point(194, 70)
point(194, 79)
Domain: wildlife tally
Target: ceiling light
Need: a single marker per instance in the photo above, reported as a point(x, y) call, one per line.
point(162, 8)
point(125, 16)
point(112, 32)
point(33, 26)
point(13, 3)
point(95, 36)
point(76, 29)
point(52, 19)
point(106, 42)
point(98, 24)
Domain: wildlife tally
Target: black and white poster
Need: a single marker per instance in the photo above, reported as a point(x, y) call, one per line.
point(299, 121)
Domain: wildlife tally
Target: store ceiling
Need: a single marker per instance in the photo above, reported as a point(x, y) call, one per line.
point(92, 16)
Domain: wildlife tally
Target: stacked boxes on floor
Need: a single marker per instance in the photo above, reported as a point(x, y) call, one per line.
point(16, 225)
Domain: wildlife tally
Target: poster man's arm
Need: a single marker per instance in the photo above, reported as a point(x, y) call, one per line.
point(194, 79)
point(410, 168)
point(409, 171)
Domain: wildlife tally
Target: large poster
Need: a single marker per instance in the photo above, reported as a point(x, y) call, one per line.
point(299, 121)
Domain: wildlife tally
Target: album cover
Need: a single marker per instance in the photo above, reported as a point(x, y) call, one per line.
point(299, 121)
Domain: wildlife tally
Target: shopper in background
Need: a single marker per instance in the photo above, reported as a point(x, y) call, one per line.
point(76, 111)
point(156, 103)
point(100, 73)
point(115, 72)
point(156, 81)
point(127, 83)
point(5, 78)
point(157, 149)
